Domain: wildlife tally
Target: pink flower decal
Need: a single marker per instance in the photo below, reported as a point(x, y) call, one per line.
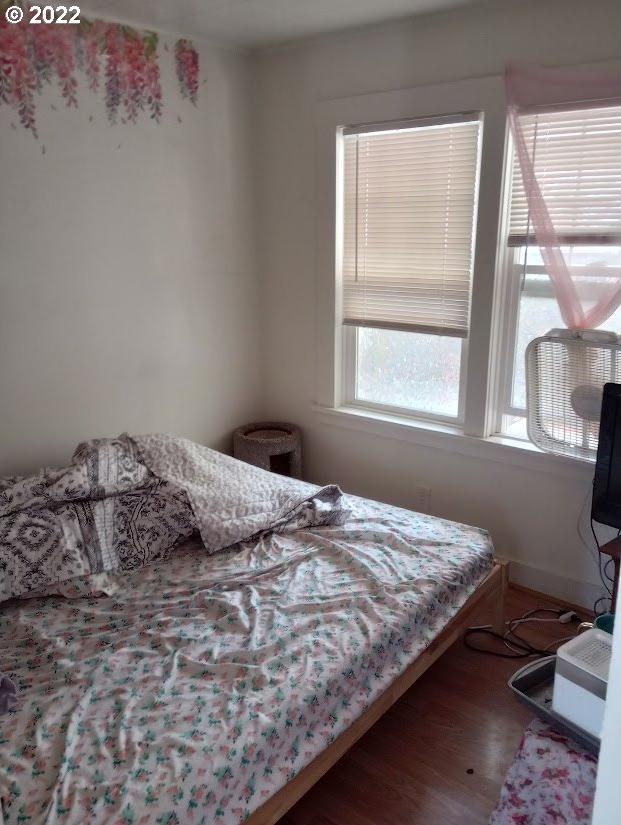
point(90, 47)
point(132, 74)
point(18, 80)
point(186, 58)
point(153, 88)
point(52, 51)
point(33, 56)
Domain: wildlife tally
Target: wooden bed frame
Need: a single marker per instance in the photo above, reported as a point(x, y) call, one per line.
point(485, 605)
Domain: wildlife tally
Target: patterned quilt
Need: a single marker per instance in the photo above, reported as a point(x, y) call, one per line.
point(125, 502)
point(105, 511)
point(200, 685)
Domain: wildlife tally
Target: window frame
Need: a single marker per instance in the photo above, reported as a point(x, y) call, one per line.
point(349, 380)
point(509, 290)
point(511, 273)
point(484, 95)
point(350, 332)
point(484, 364)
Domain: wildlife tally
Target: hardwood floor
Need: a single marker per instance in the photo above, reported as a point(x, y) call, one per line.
point(440, 754)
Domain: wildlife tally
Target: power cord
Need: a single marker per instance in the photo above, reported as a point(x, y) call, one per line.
point(519, 647)
point(602, 573)
point(605, 577)
point(596, 556)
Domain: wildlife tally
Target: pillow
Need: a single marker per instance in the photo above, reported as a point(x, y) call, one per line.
point(105, 512)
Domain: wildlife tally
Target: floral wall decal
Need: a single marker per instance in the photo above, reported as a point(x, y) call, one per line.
point(27, 63)
point(186, 58)
point(52, 55)
point(115, 59)
point(18, 79)
point(132, 73)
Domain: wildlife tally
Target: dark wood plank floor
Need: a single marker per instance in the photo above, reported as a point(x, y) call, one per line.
point(440, 754)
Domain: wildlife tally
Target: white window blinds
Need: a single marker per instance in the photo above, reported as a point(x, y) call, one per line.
point(577, 161)
point(409, 208)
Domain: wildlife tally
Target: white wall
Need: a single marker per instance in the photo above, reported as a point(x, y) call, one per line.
point(608, 792)
point(128, 285)
point(532, 515)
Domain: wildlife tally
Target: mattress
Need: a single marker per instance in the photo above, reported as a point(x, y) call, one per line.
point(201, 685)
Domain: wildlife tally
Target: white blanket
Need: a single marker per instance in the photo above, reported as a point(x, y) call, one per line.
point(233, 501)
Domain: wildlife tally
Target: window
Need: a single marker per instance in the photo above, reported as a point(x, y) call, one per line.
point(409, 200)
point(412, 322)
point(577, 157)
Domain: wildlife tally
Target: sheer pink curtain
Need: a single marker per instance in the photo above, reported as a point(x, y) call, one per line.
point(529, 88)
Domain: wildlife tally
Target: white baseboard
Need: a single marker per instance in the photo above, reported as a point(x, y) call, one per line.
point(571, 590)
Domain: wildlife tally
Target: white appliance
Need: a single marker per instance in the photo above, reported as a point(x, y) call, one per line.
point(581, 680)
point(565, 376)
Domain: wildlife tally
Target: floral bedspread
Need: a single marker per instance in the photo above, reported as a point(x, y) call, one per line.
point(200, 685)
point(551, 781)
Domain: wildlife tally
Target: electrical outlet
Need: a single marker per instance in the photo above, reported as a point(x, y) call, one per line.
point(422, 499)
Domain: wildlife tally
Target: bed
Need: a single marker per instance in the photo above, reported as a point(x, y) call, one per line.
point(219, 688)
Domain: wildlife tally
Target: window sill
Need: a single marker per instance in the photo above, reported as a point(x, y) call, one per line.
point(446, 437)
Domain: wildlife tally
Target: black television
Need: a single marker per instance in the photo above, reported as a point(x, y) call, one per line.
point(606, 507)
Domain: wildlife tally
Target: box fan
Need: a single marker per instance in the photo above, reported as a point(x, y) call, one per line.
point(565, 375)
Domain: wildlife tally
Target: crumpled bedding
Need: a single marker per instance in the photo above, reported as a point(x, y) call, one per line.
point(206, 682)
point(105, 511)
point(126, 502)
point(231, 500)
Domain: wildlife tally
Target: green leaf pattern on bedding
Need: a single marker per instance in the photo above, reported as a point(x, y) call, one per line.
point(206, 682)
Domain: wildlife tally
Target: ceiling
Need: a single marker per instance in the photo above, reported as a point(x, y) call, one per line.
point(261, 22)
